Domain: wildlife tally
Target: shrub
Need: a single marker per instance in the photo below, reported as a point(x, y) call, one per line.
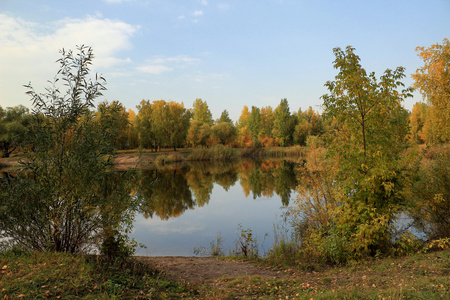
point(65, 196)
point(431, 197)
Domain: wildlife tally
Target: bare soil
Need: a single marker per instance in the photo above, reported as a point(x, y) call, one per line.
point(206, 270)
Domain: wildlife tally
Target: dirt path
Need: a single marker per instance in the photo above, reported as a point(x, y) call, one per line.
point(200, 270)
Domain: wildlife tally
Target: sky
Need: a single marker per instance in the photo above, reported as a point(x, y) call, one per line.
point(229, 53)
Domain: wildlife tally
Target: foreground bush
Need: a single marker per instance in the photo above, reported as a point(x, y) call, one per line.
point(430, 194)
point(64, 197)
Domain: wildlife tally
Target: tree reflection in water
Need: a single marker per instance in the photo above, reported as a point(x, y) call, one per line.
point(169, 192)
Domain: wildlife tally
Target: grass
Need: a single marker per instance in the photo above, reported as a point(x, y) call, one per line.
point(421, 276)
point(34, 275)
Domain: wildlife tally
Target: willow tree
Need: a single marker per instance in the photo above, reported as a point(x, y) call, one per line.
point(367, 146)
point(64, 196)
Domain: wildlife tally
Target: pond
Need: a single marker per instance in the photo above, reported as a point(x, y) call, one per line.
point(187, 207)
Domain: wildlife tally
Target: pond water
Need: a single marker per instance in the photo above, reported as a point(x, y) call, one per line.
point(187, 207)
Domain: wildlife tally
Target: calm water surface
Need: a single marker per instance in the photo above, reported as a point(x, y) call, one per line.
point(187, 207)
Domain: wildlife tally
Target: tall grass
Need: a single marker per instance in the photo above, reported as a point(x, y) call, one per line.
point(163, 159)
point(215, 153)
point(294, 151)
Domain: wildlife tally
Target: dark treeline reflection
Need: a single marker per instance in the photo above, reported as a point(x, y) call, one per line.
point(168, 192)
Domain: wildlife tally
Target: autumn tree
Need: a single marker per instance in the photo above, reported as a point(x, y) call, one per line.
point(224, 133)
point(244, 135)
point(179, 125)
point(254, 123)
point(433, 81)
point(243, 118)
point(284, 123)
point(309, 123)
point(144, 125)
point(161, 124)
point(267, 123)
point(132, 134)
point(368, 182)
point(198, 133)
point(417, 121)
point(225, 117)
point(201, 112)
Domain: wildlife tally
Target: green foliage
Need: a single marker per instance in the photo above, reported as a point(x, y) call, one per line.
point(284, 123)
point(116, 246)
point(254, 122)
point(349, 199)
point(64, 197)
point(162, 124)
point(201, 112)
point(13, 126)
point(309, 124)
point(407, 244)
point(430, 194)
point(113, 118)
point(144, 125)
point(246, 244)
point(367, 146)
point(199, 133)
point(224, 133)
point(225, 117)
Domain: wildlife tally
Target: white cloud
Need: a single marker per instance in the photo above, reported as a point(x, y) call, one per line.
point(161, 64)
point(176, 59)
point(204, 2)
point(154, 69)
point(198, 13)
point(28, 50)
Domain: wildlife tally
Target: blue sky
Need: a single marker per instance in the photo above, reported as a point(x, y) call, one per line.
point(230, 53)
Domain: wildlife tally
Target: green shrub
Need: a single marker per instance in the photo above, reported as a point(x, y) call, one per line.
point(430, 195)
point(64, 197)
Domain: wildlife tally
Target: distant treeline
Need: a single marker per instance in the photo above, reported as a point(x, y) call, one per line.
point(168, 124)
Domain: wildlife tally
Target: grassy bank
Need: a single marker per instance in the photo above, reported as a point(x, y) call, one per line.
point(63, 276)
point(37, 275)
point(168, 156)
point(420, 276)
point(215, 153)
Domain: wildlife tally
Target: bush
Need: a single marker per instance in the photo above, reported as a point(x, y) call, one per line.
point(65, 196)
point(431, 197)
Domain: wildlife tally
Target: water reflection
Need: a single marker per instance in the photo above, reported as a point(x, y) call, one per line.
point(183, 206)
point(168, 193)
point(186, 206)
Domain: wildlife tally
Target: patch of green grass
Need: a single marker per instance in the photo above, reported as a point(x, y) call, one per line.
point(31, 275)
point(420, 276)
